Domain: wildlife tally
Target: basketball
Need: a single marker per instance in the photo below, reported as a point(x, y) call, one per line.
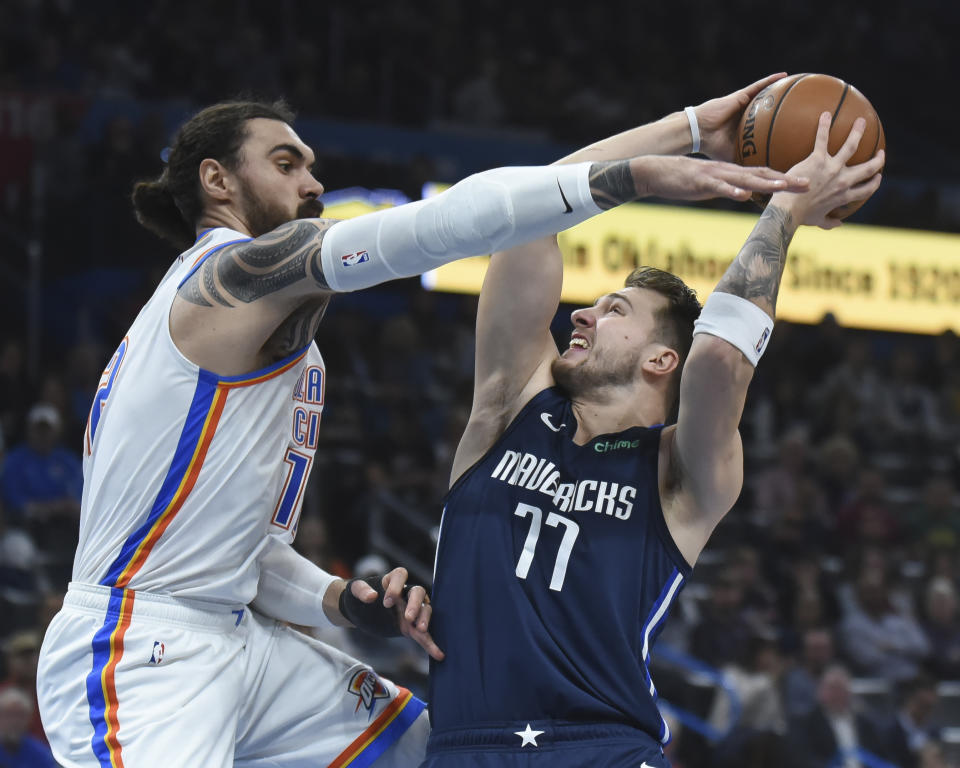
point(779, 127)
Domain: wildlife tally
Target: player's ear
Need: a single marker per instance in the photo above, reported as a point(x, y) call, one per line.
point(214, 179)
point(661, 360)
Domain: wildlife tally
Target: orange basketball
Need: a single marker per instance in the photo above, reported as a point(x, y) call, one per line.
point(779, 127)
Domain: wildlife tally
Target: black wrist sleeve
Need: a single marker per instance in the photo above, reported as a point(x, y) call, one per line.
point(373, 618)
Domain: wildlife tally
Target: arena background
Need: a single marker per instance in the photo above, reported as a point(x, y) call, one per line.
point(843, 548)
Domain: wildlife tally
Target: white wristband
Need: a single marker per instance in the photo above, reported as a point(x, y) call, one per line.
point(737, 321)
point(694, 128)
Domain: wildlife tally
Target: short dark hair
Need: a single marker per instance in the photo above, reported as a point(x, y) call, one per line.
point(675, 321)
point(171, 204)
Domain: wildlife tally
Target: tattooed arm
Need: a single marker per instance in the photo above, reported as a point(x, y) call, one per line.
point(701, 459)
point(253, 302)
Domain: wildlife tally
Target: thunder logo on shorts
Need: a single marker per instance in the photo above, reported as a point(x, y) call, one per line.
point(366, 686)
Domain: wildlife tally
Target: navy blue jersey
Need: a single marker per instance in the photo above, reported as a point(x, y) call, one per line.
point(554, 574)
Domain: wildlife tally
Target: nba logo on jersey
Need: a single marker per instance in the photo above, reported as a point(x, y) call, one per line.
point(366, 686)
point(355, 258)
point(157, 656)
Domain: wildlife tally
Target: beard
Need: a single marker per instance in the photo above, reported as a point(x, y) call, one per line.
point(264, 216)
point(593, 375)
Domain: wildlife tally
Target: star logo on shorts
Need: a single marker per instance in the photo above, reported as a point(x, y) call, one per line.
point(528, 736)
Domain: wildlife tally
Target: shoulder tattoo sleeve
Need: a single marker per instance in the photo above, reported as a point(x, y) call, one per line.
point(248, 271)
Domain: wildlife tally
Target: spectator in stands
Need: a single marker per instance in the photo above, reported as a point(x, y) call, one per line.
point(935, 522)
point(801, 680)
point(866, 518)
point(879, 641)
point(785, 486)
point(931, 756)
point(913, 727)
point(42, 482)
point(832, 732)
point(756, 738)
point(807, 599)
point(850, 393)
point(41, 478)
point(20, 653)
point(722, 633)
point(21, 579)
point(18, 749)
point(942, 626)
point(838, 461)
point(759, 597)
point(908, 409)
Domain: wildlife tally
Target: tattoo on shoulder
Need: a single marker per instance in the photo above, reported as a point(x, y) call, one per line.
point(249, 271)
point(611, 184)
point(755, 273)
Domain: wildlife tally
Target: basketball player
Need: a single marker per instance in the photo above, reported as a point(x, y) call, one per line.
point(200, 441)
point(574, 515)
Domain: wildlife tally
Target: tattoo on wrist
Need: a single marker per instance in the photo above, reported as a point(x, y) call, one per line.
point(611, 184)
point(755, 273)
point(249, 271)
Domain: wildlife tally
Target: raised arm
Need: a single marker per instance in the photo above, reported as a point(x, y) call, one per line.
point(522, 286)
point(702, 458)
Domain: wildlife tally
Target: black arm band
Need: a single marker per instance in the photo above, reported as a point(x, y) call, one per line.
point(373, 618)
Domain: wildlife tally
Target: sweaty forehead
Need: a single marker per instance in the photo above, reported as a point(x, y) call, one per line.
point(264, 134)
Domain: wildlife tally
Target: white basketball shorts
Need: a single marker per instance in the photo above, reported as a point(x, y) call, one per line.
point(140, 680)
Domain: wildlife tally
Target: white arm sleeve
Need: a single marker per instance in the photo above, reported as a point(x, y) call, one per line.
point(486, 212)
point(291, 588)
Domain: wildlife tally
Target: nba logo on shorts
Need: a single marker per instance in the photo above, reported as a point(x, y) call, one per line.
point(157, 656)
point(366, 686)
point(352, 259)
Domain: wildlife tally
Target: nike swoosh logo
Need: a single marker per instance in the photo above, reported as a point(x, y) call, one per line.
point(569, 208)
point(545, 418)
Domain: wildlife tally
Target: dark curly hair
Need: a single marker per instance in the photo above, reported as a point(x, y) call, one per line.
point(171, 204)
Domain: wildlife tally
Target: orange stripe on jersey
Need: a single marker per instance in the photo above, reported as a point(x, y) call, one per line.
point(364, 740)
point(201, 256)
point(257, 377)
point(180, 496)
point(109, 681)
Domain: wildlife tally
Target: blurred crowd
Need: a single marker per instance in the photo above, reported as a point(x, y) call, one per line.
point(839, 566)
point(827, 599)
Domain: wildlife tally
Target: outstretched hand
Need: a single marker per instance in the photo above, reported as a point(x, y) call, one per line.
point(833, 183)
point(687, 178)
point(720, 118)
point(411, 604)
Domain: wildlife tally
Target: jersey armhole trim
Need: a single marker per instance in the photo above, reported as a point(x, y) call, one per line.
point(663, 533)
point(531, 403)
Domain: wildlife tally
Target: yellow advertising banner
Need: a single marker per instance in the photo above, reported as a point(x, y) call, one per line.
point(867, 277)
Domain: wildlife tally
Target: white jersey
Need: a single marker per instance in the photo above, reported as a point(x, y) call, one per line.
point(186, 472)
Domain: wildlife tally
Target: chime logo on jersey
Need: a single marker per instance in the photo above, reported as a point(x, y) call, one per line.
point(366, 686)
point(352, 259)
point(158, 649)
